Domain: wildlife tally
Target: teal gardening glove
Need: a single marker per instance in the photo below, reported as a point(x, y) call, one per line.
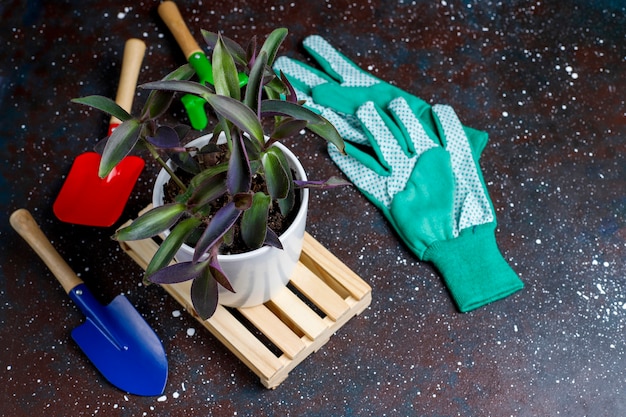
point(418, 165)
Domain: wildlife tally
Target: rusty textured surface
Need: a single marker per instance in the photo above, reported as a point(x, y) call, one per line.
point(545, 79)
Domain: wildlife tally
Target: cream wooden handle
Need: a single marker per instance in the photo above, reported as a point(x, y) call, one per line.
point(22, 221)
point(134, 51)
point(174, 20)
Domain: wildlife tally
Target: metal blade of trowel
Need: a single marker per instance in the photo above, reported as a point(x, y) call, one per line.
point(116, 339)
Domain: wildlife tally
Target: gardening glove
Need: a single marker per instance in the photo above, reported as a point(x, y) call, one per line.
point(338, 91)
point(434, 195)
point(461, 244)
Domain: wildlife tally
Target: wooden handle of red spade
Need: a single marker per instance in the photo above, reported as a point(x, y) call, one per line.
point(134, 51)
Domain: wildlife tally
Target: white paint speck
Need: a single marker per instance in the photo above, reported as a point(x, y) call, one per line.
point(121, 15)
point(538, 241)
point(175, 395)
point(191, 331)
point(599, 286)
point(176, 313)
point(162, 398)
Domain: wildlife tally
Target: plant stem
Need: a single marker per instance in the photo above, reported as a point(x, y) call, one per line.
point(157, 157)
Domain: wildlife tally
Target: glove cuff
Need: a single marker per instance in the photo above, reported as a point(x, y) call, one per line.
point(473, 268)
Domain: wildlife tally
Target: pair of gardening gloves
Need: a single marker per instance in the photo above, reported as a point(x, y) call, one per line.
point(417, 164)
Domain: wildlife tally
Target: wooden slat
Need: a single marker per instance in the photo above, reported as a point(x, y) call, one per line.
point(275, 329)
point(287, 321)
point(243, 343)
point(299, 313)
point(321, 261)
point(319, 292)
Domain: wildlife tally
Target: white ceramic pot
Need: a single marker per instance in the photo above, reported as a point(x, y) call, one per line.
point(258, 275)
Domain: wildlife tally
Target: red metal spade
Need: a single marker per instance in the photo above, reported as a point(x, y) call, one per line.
point(87, 199)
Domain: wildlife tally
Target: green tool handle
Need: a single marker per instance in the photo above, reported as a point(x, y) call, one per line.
point(169, 12)
point(202, 66)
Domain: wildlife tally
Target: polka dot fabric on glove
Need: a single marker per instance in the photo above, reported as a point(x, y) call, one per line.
point(418, 165)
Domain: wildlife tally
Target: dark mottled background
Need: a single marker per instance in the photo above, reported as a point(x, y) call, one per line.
point(545, 78)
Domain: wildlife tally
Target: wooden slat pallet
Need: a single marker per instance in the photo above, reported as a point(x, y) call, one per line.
point(273, 338)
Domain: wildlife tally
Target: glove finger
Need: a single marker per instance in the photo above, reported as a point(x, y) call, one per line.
point(336, 64)
point(365, 179)
point(412, 127)
point(348, 126)
point(389, 144)
point(302, 76)
point(472, 206)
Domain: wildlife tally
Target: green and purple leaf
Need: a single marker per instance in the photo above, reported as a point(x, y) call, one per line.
point(315, 122)
point(119, 144)
point(152, 222)
point(243, 201)
point(218, 273)
point(179, 272)
point(291, 95)
point(221, 222)
point(159, 101)
point(104, 104)
point(235, 50)
point(272, 44)
point(184, 161)
point(252, 96)
point(166, 137)
point(254, 221)
point(288, 128)
point(208, 190)
point(271, 239)
point(172, 243)
point(277, 176)
point(238, 178)
point(225, 75)
point(204, 294)
point(235, 111)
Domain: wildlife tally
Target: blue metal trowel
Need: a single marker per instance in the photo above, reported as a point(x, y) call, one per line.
point(115, 337)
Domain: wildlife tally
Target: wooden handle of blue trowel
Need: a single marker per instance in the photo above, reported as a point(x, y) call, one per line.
point(23, 222)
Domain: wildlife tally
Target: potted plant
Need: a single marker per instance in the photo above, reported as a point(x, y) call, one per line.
point(231, 183)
